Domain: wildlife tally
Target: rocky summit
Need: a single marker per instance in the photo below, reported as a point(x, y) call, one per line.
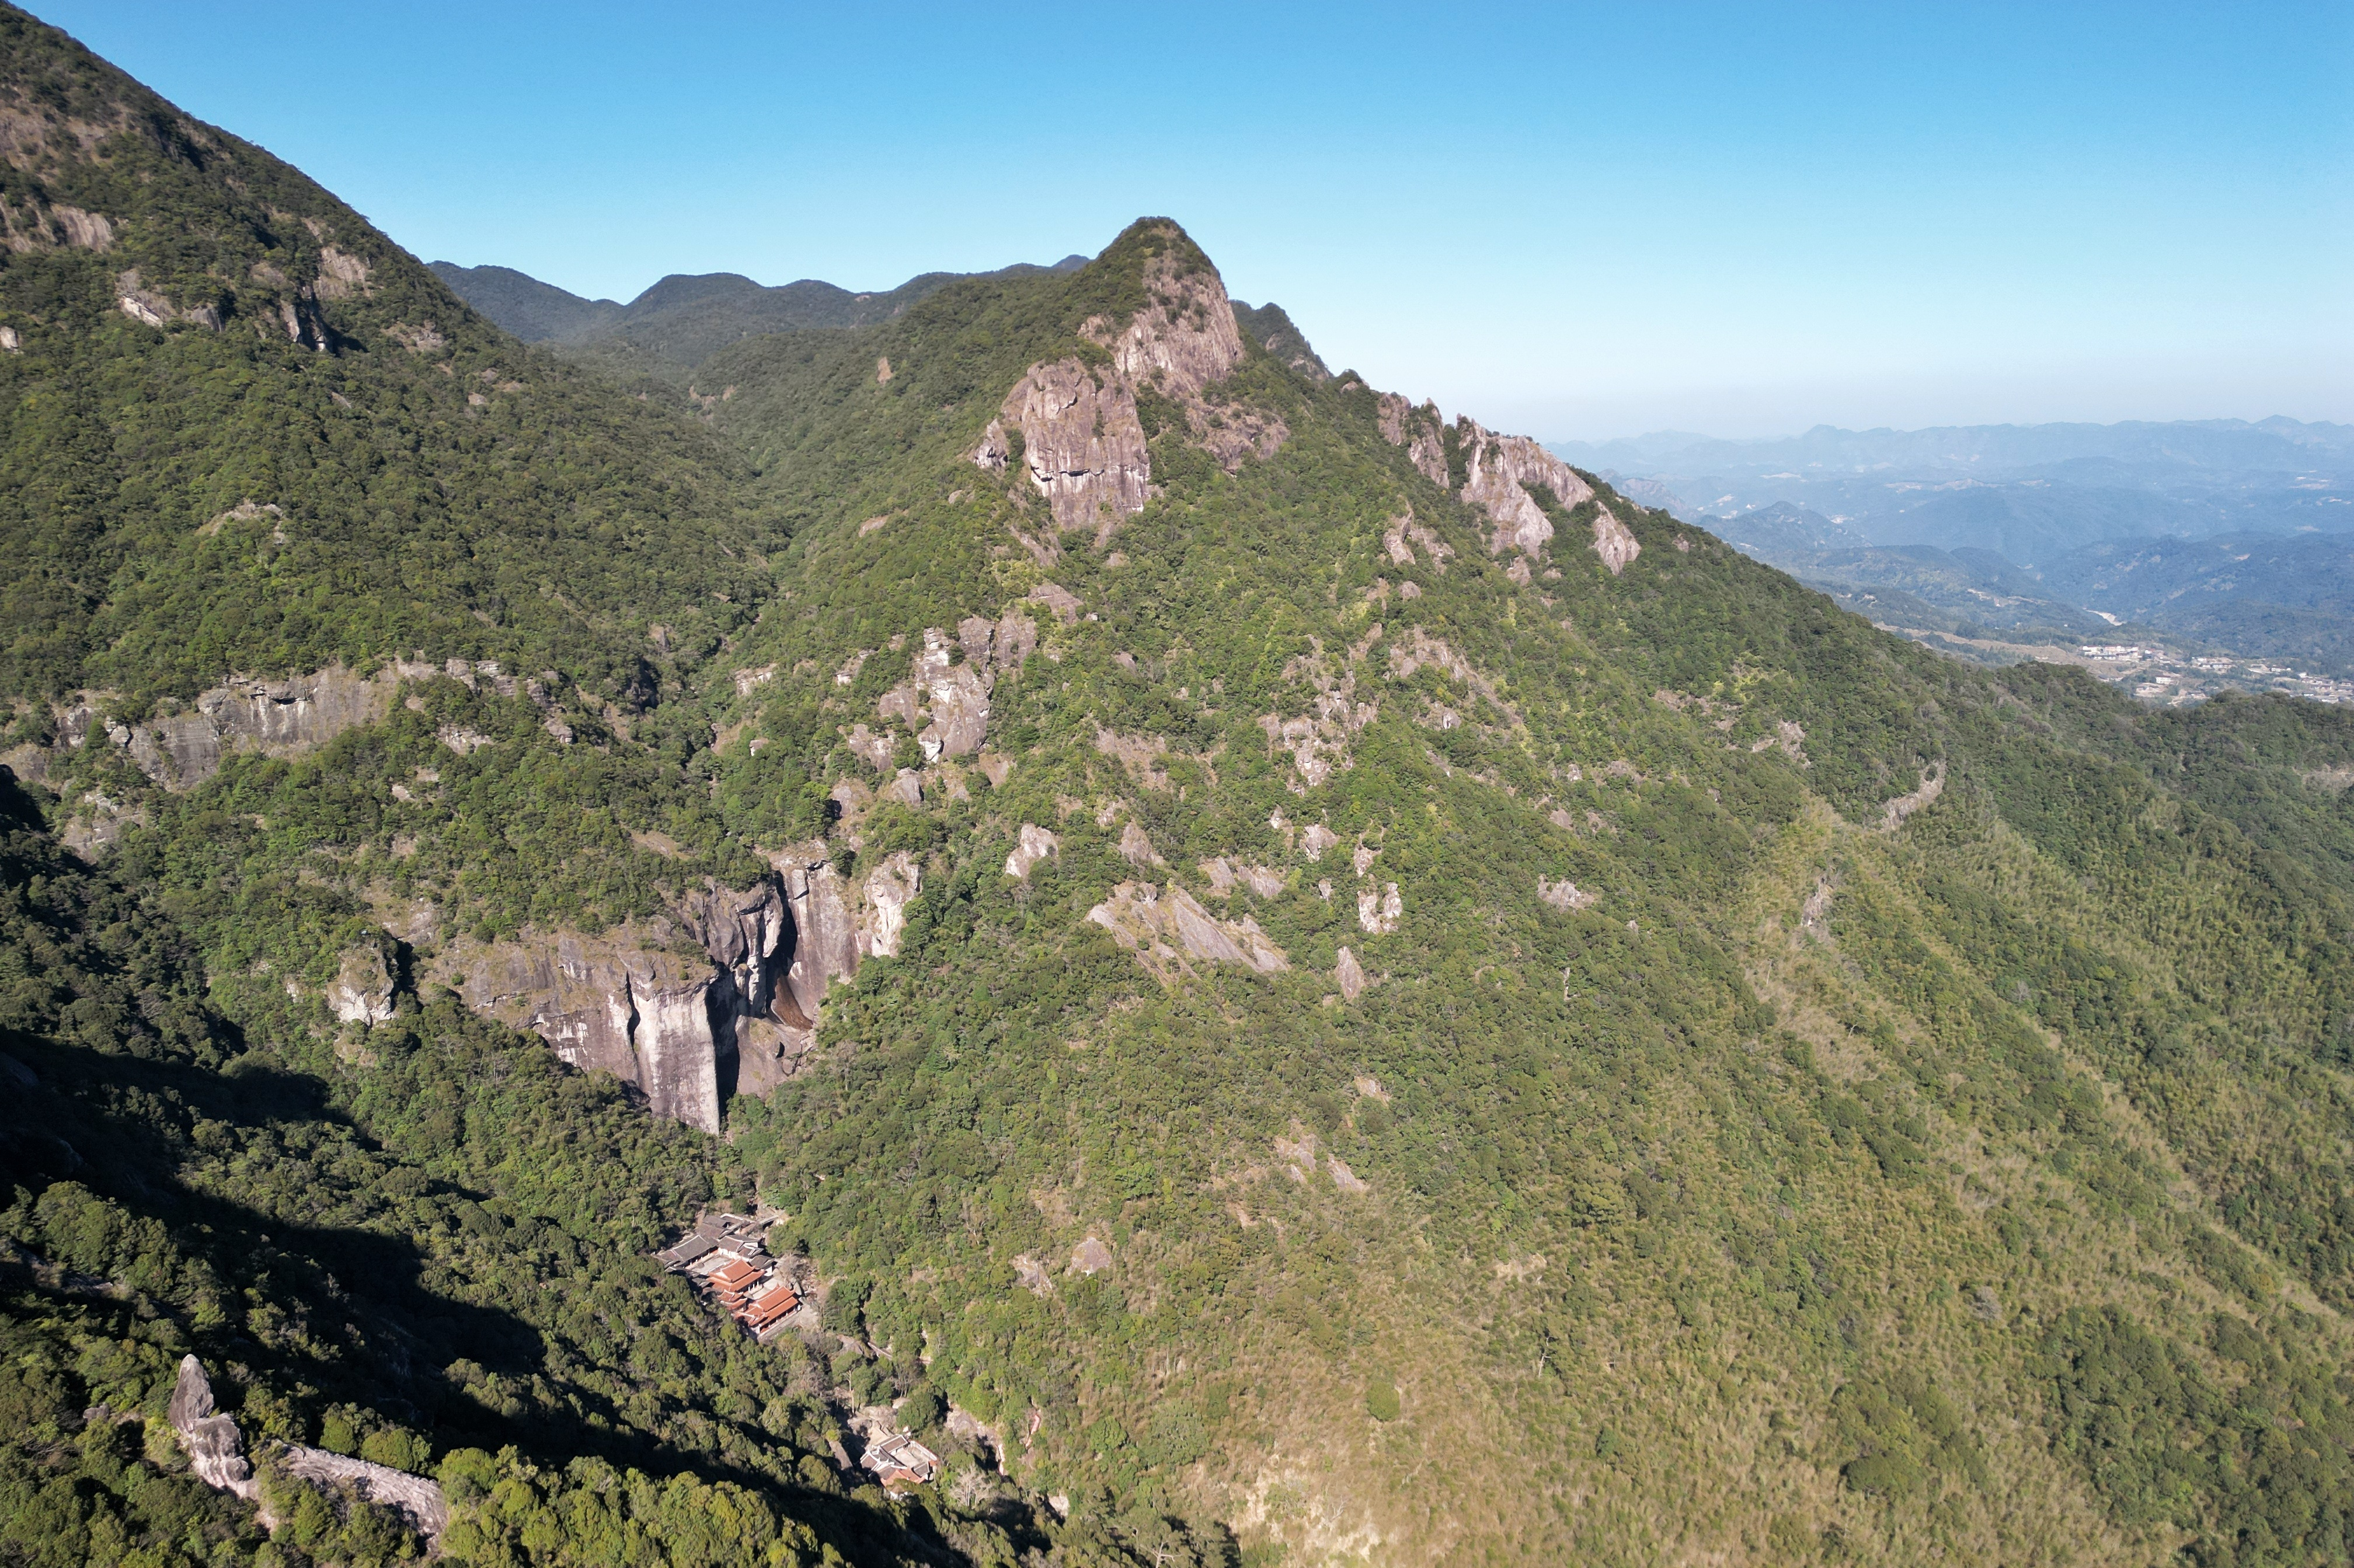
point(1036, 929)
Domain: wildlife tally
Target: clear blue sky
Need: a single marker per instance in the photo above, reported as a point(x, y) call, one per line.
point(1575, 221)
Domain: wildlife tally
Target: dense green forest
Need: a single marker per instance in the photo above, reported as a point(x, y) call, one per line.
point(1482, 1053)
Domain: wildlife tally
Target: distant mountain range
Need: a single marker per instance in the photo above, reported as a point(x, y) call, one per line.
point(686, 318)
point(2052, 528)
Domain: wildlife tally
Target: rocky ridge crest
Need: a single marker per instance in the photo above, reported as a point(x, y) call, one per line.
point(1083, 442)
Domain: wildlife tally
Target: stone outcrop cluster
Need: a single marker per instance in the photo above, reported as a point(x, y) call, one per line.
point(1499, 471)
point(1083, 444)
point(944, 701)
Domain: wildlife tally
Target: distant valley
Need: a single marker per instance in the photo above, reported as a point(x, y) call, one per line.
point(2221, 552)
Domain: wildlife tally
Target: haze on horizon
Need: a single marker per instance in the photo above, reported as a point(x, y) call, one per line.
point(1585, 222)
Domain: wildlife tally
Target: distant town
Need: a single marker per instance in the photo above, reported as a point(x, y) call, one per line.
point(2163, 675)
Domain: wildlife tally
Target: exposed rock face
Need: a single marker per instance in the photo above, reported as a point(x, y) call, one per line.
point(1036, 844)
point(614, 1005)
point(875, 750)
point(1613, 542)
point(1165, 932)
point(1399, 540)
point(1563, 895)
point(281, 718)
point(1422, 432)
point(958, 701)
point(1378, 912)
point(420, 1500)
point(1894, 813)
point(1059, 601)
point(1498, 471)
point(890, 888)
point(628, 1004)
point(825, 932)
point(1348, 976)
point(215, 1446)
point(994, 449)
point(1137, 849)
point(1185, 339)
point(1082, 442)
point(362, 990)
point(1224, 873)
point(945, 702)
point(747, 936)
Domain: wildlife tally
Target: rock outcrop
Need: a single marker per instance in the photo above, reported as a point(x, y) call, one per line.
point(1613, 542)
point(1349, 975)
point(215, 1448)
point(1422, 432)
point(1166, 931)
point(1034, 844)
point(280, 718)
point(944, 701)
point(362, 990)
point(277, 718)
point(216, 1451)
point(1563, 895)
point(420, 1501)
point(638, 1003)
point(825, 930)
point(890, 888)
point(1083, 444)
point(690, 1027)
point(1498, 471)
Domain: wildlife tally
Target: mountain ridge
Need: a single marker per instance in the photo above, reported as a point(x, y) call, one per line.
point(1405, 1005)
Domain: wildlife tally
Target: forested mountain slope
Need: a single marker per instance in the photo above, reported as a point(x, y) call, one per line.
point(1792, 1078)
point(1317, 985)
point(248, 432)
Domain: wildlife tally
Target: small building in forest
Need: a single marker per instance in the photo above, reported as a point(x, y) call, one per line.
point(899, 1457)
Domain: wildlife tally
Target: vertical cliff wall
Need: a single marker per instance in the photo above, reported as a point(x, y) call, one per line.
point(719, 996)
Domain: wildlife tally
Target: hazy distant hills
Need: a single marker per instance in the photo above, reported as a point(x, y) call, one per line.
point(2287, 598)
point(2032, 492)
point(2039, 526)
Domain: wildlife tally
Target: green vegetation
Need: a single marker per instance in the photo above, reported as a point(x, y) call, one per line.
point(1920, 1135)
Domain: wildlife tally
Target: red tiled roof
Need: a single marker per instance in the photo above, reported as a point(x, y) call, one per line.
point(771, 1307)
